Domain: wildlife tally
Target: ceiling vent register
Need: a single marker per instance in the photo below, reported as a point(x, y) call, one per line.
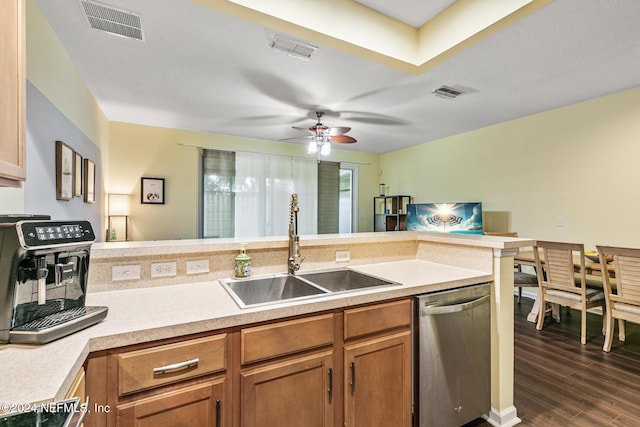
point(447, 92)
point(295, 48)
point(119, 22)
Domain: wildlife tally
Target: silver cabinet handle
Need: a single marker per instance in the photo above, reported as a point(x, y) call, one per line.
point(176, 366)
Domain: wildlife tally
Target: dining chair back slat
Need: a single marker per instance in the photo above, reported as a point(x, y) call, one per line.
point(558, 283)
point(559, 265)
point(623, 300)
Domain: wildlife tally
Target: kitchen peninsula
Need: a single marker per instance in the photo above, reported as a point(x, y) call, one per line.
point(146, 310)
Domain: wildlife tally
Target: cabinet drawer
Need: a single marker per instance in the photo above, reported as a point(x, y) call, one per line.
point(152, 367)
point(264, 342)
point(377, 318)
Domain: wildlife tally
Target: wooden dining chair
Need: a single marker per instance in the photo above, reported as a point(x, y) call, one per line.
point(623, 298)
point(559, 285)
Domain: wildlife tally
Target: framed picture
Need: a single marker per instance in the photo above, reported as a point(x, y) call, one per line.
point(457, 218)
point(64, 171)
point(89, 181)
point(152, 191)
point(77, 175)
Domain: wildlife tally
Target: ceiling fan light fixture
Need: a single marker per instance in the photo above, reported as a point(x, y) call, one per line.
point(294, 48)
point(313, 147)
point(325, 150)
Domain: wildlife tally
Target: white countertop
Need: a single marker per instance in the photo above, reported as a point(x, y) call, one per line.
point(44, 373)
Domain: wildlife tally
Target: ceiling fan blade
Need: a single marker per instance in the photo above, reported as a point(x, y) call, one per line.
point(343, 139)
point(338, 130)
point(299, 138)
point(303, 129)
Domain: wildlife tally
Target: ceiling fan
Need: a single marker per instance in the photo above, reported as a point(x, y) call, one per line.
point(321, 136)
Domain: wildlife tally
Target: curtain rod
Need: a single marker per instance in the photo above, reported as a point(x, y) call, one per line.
point(206, 147)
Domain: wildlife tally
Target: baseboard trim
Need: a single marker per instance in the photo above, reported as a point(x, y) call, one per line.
point(505, 418)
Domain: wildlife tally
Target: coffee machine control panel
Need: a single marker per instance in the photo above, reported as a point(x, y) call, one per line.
point(52, 233)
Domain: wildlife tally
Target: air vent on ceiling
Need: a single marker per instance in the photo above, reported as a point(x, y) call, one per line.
point(446, 92)
point(114, 21)
point(296, 48)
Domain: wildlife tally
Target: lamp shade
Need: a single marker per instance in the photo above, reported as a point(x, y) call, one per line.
point(118, 204)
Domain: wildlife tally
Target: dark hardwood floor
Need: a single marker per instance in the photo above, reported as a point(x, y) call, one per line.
point(559, 382)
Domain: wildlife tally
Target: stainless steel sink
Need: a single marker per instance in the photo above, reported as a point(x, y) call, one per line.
point(283, 287)
point(344, 280)
point(266, 290)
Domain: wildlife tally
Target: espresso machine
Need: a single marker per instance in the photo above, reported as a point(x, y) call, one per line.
point(44, 266)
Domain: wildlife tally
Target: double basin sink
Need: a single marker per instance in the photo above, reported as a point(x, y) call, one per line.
point(286, 287)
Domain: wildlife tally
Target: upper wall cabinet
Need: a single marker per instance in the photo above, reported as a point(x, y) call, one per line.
point(12, 92)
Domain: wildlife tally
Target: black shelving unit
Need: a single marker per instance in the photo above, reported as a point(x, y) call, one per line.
point(390, 213)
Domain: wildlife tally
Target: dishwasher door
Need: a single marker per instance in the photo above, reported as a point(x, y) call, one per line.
point(453, 356)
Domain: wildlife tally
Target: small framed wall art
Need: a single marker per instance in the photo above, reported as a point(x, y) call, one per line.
point(89, 181)
point(64, 171)
point(152, 191)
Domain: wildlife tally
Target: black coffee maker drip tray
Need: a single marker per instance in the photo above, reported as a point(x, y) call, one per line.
point(57, 325)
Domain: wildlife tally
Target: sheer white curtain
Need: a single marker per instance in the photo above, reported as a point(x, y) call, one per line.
point(263, 187)
point(305, 184)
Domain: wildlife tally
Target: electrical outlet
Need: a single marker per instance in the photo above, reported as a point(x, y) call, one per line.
point(163, 269)
point(343, 256)
point(198, 266)
point(125, 272)
point(560, 222)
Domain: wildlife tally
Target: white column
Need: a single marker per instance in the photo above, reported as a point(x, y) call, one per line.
point(503, 412)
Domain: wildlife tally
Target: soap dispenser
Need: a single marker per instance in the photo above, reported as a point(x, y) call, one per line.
point(243, 264)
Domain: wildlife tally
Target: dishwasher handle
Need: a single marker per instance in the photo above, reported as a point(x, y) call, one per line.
point(434, 308)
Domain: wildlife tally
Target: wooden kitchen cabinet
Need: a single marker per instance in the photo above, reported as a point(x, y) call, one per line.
point(153, 367)
point(292, 393)
point(78, 389)
point(183, 383)
point(294, 384)
point(378, 382)
point(12, 93)
point(347, 367)
point(196, 405)
point(377, 365)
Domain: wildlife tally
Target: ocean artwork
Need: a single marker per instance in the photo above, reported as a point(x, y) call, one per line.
point(461, 218)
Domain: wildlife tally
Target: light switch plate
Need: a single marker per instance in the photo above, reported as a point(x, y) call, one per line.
point(198, 266)
point(125, 272)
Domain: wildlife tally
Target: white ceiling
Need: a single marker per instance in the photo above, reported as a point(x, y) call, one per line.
point(202, 70)
point(413, 12)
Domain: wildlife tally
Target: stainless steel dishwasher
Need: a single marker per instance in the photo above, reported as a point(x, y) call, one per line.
point(452, 383)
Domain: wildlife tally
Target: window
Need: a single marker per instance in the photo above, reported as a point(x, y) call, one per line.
point(348, 207)
point(328, 197)
point(218, 198)
point(248, 195)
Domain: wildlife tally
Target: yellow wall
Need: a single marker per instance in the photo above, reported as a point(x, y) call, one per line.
point(50, 69)
point(137, 151)
point(579, 163)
